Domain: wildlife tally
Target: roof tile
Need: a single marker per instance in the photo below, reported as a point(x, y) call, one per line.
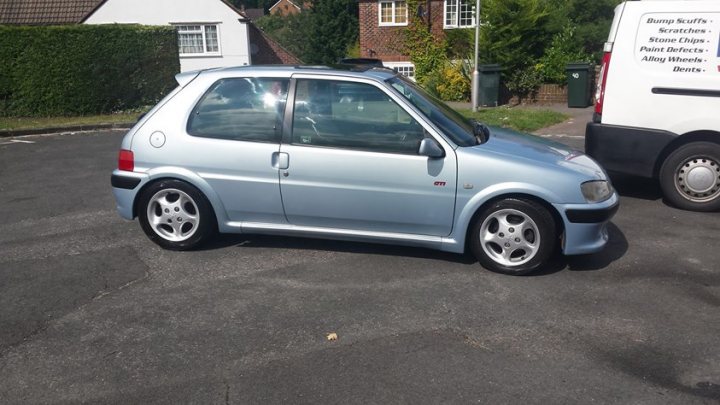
point(45, 12)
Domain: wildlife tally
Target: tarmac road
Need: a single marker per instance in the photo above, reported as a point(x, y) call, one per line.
point(91, 311)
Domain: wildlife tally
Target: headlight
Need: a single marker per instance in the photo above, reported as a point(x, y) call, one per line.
point(596, 190)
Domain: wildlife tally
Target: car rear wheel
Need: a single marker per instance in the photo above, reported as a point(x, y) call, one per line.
point(176, 215)
point(690, 177)
point(513, 236)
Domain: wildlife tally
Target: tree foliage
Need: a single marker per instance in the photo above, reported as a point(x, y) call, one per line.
point(514, 32)
point(85, 69)
point(534, 40)
point(334, 27)
point(563, 49)
point(292, 32)
point(321, 34)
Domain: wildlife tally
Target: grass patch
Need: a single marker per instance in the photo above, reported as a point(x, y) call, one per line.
point(14, 123)
point(517, 118)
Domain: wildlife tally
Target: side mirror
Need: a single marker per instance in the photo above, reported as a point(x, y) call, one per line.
point(430, 148)
point(482, 132)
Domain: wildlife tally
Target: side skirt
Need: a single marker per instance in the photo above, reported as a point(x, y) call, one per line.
point(389, 238)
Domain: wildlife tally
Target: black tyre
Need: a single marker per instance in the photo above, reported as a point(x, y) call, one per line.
point(176, 215)
point(690, 177)
point(514, 236)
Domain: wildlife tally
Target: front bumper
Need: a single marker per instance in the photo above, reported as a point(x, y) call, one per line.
point(125, 187)
point(586, 225)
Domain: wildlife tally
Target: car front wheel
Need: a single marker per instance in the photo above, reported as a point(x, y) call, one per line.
point(176, 215)
point(513, 236)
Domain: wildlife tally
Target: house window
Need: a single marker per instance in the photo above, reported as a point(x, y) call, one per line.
point(459, 14)
point(404, 68)
point(198, 40)
point(393, 13)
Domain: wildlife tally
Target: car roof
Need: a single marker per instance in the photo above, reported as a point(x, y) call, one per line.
point(358, 71)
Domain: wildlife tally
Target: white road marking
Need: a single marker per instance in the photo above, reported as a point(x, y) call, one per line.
point(562, 136)
point(14, 141)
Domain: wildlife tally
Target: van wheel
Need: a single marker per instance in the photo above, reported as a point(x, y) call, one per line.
point(176, 215)
point(690, 177)
point(513, 236)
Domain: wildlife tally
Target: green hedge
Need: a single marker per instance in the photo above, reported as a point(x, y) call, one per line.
point(84, 69)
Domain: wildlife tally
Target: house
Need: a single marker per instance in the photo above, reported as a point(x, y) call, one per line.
point(285, 8)
point(211, 33)
point(383, 22)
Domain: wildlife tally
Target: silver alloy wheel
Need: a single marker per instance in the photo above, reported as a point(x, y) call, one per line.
point(698, 179)
point(510, 237)
point(173, 215)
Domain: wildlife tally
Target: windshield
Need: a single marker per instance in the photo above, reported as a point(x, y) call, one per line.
point(458, 128)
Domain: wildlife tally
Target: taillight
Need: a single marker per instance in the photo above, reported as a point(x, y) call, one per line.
point(126, 160)
point(600, 92)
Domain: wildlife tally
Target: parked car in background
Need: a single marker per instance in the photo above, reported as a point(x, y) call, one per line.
point(658, 99)
point(357, 154)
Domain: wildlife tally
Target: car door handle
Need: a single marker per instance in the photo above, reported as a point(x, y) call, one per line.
point(280, 160)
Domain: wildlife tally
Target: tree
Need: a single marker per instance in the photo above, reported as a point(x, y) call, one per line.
point(592, 19)
point(321, 34)
point(334, 28)
point(515, 32)
point(292, 32)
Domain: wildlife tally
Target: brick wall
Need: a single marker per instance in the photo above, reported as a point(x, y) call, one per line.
point(387, 43)
point(556, 94)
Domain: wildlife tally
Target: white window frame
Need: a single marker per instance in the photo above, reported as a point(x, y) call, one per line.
point(204, 38)
point(456, 23)
point(393, 23)
point(398, 66)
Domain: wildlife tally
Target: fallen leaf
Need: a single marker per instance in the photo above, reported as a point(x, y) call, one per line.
point(332, 336)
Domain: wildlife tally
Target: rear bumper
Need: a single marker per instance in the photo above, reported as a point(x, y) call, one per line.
point(586, 225)
point(125, 186)
point(626, 150)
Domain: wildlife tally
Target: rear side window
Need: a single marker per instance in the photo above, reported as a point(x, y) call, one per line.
point(243, 109)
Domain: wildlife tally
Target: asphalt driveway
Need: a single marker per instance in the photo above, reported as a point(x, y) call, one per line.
point(91, 311)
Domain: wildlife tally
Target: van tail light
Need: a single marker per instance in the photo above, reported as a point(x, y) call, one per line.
point(600, 91)
point(126, 160)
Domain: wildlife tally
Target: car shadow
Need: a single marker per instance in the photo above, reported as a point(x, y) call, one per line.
point(616, 248)
point(636, 187)
point(291, 242)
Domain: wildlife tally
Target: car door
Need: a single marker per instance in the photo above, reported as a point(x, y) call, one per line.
point(352, 162)
point(234, 140)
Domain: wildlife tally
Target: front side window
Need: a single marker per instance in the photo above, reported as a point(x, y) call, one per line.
point(198, 40)
point(352, 115)
point(393, 12)
point(459, 13)
point(243, 109)
point(458, 128)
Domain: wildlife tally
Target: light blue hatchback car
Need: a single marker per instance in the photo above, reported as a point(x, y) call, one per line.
point(358, 154)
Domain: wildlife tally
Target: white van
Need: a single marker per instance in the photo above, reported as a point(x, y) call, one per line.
point(657, 111)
